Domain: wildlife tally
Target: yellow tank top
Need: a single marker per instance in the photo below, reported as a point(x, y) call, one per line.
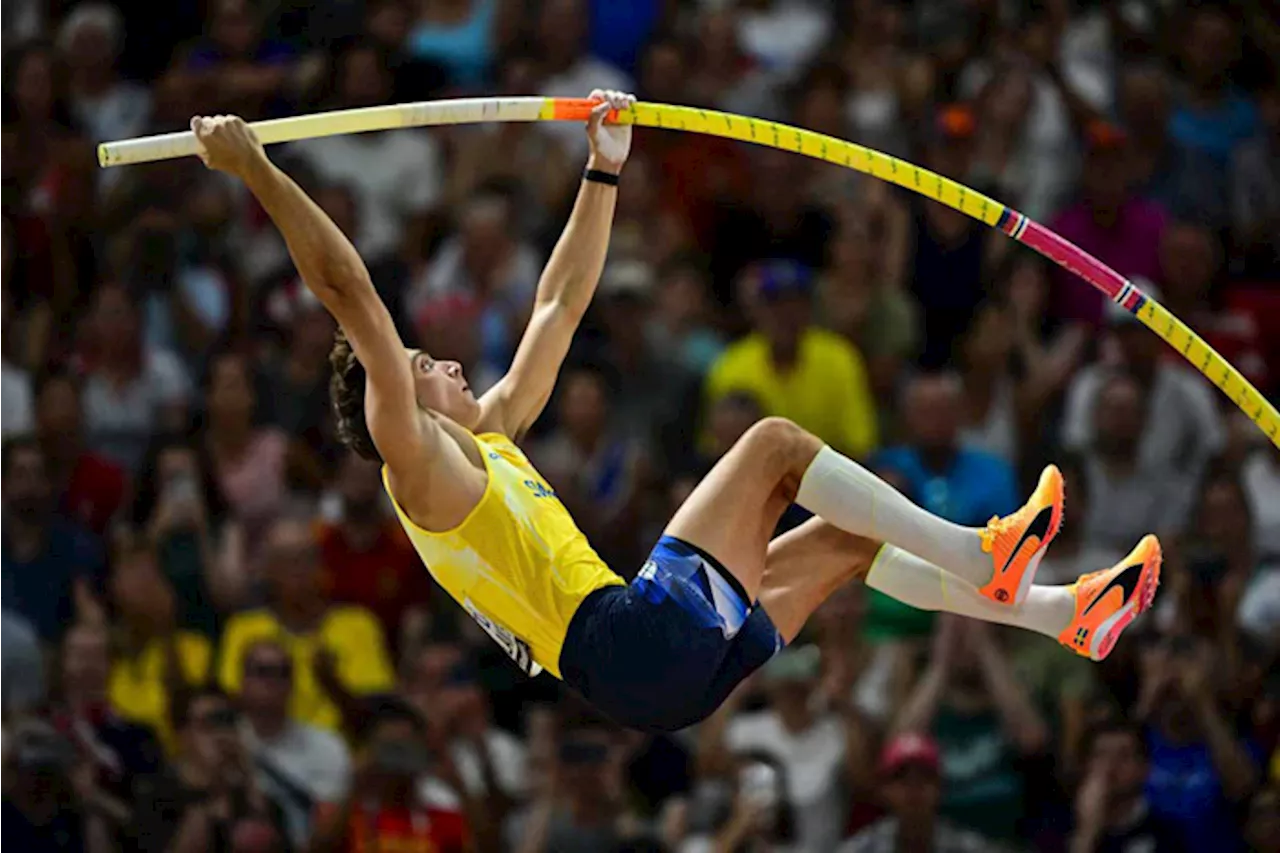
point(517, 563)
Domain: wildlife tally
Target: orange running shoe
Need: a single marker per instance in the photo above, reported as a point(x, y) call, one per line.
point(1107, 601)
point(1017, 542)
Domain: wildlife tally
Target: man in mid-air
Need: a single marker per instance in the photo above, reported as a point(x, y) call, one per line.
point(718, 596)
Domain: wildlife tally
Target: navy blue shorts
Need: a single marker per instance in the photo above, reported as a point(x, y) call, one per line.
point(665, 651)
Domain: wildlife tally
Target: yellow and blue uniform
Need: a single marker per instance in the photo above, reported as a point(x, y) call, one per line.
point(517, 563)
point(659, 653)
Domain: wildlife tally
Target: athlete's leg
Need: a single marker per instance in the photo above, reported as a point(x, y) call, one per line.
point(733, 512)
point(808, 564)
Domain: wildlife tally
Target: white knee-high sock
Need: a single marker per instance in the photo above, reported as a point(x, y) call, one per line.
point(1047, 610)
point(852, 498)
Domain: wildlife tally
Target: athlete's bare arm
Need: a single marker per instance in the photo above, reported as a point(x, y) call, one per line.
point(335, 273)
point(567, 285)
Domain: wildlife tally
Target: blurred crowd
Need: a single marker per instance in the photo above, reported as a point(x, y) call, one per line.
point(215, 636)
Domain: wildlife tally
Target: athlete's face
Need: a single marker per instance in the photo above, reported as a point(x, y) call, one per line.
point(440, 387)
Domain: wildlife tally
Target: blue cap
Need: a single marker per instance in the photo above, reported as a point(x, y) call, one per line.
point(781, 278)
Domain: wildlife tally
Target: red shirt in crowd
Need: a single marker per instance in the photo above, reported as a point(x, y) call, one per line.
point(404, 829)
point(386, 577)
point(95, 492)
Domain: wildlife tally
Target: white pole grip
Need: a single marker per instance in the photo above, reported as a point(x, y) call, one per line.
point(168, 146)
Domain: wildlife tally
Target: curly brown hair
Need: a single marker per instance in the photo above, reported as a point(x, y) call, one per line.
point(346, 392)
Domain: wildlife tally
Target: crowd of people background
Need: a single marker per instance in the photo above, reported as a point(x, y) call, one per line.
point(217, 638)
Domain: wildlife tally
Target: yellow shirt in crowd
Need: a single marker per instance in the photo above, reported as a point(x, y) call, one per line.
point(827, 390)
point(351, 634)
point(137, 686)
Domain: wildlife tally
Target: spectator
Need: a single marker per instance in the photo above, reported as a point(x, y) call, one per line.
point(1191, 268)
point(390, 810)
point(656, 398)
point(132, 390)
point(337, 650)
point(1014, 373)
point(460, 35)
point(795, 369)
point(1109, 222)
point(178, 509)
point(387, 23)
point(120, 752)
point(488, 265)
point(1216, 563)
point(107, 107)
point(28, 21)
point(18, 415)
point(299, 387)
point(1200, 769)
point(155, 659)
point(807, 744)
point(758, 816)
point(1260, 475)
point(1211, 116)
point(297, 765)
point(52, 798)
point(877, 61)
point(595, 466)
point(583, 808)
point(772, 218)
point(1112, 812)
point(782, 35)
point(1255, 190)
point(235, 65)
point(249, 461)
point(209, 795)
point(1125, 496)
point(682, 320)
point(948, 253)
point(725, 77)
point(366, 559)
point(50, 564)
point(88, 487)
point(23, 667)
point(491, 763)
point(947, 477)
point(984, 721)
point(397, 175)
point(959, 483)
point(185, 293)
point(1180, 179)
point(1178, 428)
point(856, 298)
point(911, 774)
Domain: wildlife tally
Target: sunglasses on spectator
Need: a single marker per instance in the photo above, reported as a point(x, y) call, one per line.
point(281, 671)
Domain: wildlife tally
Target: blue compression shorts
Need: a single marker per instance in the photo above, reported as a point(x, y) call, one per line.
point(665, 651)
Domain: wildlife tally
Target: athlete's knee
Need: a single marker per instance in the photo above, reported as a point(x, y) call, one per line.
point(783, 443)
